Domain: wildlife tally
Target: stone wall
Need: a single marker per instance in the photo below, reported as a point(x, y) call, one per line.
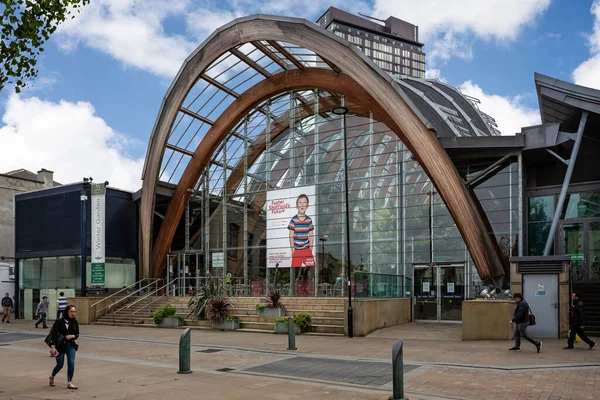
point(487, 320)
point(370, 315)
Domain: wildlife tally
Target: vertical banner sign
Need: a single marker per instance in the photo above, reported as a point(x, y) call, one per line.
point(291, 210)
point(98, 229)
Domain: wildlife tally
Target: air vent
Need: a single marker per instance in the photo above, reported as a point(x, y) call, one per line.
point(540, 268)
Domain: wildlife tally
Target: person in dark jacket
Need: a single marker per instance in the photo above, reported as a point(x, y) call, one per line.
point(521, 321)
point(64, 333)
point(577, 323)
point(7, 307)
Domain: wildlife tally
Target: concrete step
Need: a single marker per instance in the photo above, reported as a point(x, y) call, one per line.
point(315, 320)
point(313, 313)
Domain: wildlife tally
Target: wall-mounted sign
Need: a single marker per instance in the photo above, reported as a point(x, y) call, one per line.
point(450, 287)
point(540, 293)
point(576, 257)
point(425, 287)
point(98, 228)
point(218, 261)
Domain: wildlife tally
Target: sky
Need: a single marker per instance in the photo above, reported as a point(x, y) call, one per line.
point(104, 73)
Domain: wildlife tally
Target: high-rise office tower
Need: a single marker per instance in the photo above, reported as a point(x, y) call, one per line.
point(392, 44)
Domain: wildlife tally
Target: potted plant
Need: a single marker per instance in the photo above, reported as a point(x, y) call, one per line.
point(281, 326)
point(303, 321)
point(229, 323)
point(273, 308)
point(166, 316)
point(218, 311)
point(207, 291)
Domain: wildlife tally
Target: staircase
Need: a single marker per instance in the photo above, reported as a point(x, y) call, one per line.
point(327, 314)
point(589, 293)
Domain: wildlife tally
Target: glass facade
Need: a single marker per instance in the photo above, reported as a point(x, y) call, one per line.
point(397, 219)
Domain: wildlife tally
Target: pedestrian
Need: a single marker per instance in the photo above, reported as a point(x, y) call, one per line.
point(521, 321)
point(62, 344)
point(61, 304)
point(577, 323)
point(7, 307)
point(42, 311)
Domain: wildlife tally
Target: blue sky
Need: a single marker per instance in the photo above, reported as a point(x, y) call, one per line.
point(104, 74)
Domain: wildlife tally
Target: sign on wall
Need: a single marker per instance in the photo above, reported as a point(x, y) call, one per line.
point(98, 234)
point(291, 223)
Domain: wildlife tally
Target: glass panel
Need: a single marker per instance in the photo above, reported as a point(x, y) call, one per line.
point(537, 235)
point(594, 252)
point(452, 292)
point(582, 205)
point(573, 246)
point(541, 208)
point(425, 293)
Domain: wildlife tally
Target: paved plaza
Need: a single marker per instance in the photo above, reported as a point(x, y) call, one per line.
point(142, 363)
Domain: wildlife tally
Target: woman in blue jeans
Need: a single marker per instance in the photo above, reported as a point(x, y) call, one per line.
point(64, 333)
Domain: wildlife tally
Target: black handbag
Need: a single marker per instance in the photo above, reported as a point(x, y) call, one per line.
point(531, 318)
point(60, 344)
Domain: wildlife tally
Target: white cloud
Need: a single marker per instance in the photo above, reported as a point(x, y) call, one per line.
point(67, 138)
point(452, 22)
point(509, 112)
point(132, 32)
point(433, 73)
point(588, 72)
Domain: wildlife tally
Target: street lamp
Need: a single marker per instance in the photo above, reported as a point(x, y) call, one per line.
point(323, 239)
point(343, 111)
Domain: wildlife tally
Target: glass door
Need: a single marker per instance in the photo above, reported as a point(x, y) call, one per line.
point(452, 292)
point(425, 290)
point(594, 251)
point(573, 245)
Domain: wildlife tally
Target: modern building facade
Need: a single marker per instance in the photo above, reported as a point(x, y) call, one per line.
point(392, 44)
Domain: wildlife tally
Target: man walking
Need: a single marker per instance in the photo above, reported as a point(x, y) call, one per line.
point(42, 311)
point(7, 307)
point(61, 304)
point(521, 321)
point(577, 323)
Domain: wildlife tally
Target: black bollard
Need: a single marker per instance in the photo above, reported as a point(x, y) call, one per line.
point(291, 334)
point(398, 371)
point(184, 352)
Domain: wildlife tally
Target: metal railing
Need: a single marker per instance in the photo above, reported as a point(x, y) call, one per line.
point(126, 289)
point(370, 285)
point(112, 307)
point(154, 293)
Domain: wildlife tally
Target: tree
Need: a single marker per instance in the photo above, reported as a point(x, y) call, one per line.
point(26, 25)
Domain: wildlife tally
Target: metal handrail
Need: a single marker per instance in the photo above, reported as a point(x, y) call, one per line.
point(111, 307)
point(93, 306)
point(148, 295)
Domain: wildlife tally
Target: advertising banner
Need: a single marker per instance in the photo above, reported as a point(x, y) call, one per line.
point(98, 234)
point(291, 223)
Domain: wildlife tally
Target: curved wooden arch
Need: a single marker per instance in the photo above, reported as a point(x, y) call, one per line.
point(422, 142)
point(359, 74)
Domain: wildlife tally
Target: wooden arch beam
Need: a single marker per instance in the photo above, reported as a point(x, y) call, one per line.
point(423, 144)
point(361, 74)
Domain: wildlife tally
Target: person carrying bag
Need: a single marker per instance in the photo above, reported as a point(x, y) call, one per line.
point(61, 340)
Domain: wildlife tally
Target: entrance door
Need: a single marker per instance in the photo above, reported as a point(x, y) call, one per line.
point(541, 292)
point(581, 240)
point(439, 292)
point(426, 301)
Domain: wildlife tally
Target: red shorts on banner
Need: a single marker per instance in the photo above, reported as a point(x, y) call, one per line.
point(303, 256)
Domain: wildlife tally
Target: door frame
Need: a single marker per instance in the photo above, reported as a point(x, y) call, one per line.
point(586, 222)
point(438, 266)
point(557, 294)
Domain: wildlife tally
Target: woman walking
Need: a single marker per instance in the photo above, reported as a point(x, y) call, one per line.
point(64, 333)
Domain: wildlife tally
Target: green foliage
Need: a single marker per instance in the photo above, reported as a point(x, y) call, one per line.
point(283, 320)
point(233, 319)
point(166, 312)
point(260, 308)
point(303, 320)
point(26, 25)
point(218, 310)
point(212, 288)
point(273, 300)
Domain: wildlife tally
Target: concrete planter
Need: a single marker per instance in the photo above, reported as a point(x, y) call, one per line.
point(283, 328)
point(227, 325)
point(172, 322)
point(272, 312)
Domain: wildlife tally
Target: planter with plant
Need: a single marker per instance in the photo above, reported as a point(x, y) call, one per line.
point(166, 316)
point(212, 288)
point(218, 311)
point(303, 320)
point(281, 326)
point(228, 323)
point(273, 307)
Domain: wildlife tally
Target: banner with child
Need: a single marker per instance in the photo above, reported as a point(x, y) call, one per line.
point(291, 227)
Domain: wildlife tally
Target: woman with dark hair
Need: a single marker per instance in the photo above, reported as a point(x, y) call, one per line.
point(64, 333)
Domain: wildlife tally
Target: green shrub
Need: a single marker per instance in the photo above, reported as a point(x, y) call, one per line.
point(260, 308)
point(233, 319)
point(165, 312)
point(283, 320)
point(303, 320)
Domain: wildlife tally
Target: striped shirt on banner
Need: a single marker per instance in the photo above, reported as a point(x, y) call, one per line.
point(301, 228)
